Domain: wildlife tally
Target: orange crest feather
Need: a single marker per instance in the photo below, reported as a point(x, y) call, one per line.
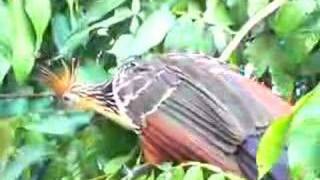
point(60, 82)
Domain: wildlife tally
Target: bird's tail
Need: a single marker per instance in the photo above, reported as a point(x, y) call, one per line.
point(247, 161)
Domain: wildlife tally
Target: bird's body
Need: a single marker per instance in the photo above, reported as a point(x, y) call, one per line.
point(191, 107)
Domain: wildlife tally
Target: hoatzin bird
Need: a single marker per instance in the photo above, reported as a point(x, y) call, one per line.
point(183, 107)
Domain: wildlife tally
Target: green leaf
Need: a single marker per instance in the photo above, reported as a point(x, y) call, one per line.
point(22, 41)
point(298, 46)
point(13, 107)
point(216, 13)
point(177, 173)
point(153, 30)
point(303, 143)
point(74, 41)
point(255, 5)
point(120, 14)
point(283, 83)
point(304, 148)
point(136, 6)
point(39, 17)
point(291, 16)
point(238, 11)
point(98, 8)
point(7, 139)
point(5, 31)
point(151, 33)
point(4, 66)
point(91, 73)
point(272, 144)
point(123, 47)
point(26, 156)
point(217, 176)
point(115, 164)
point(59, 124)
point(260, 53)
point(60, 29)
point(179, 39)
point(193, 173)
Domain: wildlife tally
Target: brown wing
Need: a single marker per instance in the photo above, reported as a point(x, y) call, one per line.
point(193, 108)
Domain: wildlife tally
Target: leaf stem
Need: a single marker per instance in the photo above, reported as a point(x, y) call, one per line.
point(260, 15)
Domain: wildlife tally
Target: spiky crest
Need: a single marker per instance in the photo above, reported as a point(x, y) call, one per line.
point(62, 81)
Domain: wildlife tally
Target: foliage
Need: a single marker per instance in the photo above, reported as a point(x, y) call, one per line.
point(41, 140)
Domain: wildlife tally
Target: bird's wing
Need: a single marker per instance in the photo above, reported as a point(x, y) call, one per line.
point(189, 109)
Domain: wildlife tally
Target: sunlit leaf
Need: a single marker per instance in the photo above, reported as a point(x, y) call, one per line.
point(153, 30)
point(115, 164)
point(272, 144)
point(177, 173)
point(255, 5)
point(150, 34)
point(22, 41)
point(39, 17)
point(291, 16)
point(123, 47)
point(303, 142)
point(216, 13)
point(97, 8)
point(179, 39)
point(217, 176)
point(7, 139)
point(194, 172)
point(5, 31)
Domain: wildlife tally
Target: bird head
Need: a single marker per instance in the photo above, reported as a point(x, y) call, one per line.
point(72, 93)
point(97, 97)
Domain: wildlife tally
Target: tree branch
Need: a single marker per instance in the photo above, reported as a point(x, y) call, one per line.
point(17, 96)
point(260, 15)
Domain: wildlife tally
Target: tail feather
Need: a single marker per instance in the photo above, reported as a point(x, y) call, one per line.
point(247, 162)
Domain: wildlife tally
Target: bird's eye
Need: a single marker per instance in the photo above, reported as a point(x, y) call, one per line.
point(66, 98)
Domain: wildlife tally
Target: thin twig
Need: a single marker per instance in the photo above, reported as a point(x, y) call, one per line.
point(16, 96)
point(260, 15)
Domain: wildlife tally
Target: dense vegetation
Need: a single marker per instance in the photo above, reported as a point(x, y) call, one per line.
point(39, 139)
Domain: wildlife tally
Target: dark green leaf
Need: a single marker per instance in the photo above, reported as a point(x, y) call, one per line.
point(4, 66)
point(26, 156)
point(60, 30)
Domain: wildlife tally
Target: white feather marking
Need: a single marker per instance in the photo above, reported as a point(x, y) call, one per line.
point(165, 96)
